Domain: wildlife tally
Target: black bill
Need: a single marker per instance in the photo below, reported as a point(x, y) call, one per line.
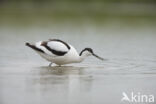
point(98, 57)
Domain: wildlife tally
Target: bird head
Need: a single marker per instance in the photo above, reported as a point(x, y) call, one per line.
point(89, 52)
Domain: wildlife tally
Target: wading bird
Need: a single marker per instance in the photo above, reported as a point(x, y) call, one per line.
point(59, 52)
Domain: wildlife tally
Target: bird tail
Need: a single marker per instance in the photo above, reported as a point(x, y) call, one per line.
point(29, 45)
point(33, 47)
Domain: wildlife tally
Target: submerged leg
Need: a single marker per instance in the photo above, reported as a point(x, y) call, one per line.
point(50, 64)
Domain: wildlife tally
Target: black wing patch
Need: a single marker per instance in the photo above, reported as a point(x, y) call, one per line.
point(58, 53)
point(34, 47)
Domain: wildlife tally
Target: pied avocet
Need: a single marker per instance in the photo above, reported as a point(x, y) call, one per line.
point(59, 52)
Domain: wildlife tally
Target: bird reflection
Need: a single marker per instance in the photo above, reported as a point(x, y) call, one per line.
point(64, 70)
point(67, 76)
point(65, 83)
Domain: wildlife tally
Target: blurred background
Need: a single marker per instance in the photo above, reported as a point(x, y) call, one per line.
point(49, 12)
point(122, 31)
point(76, 20)
point(58, 18)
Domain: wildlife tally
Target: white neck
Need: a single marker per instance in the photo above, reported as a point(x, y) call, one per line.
point(83, 56)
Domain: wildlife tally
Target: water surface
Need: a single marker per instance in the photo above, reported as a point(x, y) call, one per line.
point(127, 43)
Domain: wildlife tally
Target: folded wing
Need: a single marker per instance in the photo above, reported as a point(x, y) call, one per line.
point(55, 47)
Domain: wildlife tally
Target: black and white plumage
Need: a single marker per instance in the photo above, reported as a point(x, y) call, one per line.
point(59, 52)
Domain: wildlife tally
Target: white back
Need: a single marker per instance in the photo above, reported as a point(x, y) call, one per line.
point(58, 46)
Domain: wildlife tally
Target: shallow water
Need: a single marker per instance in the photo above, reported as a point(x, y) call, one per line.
point(26, 78)
point(129, 46)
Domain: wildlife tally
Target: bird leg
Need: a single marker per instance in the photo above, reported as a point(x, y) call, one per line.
point(50, 64)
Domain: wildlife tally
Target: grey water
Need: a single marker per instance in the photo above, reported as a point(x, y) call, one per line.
point(129, 45)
